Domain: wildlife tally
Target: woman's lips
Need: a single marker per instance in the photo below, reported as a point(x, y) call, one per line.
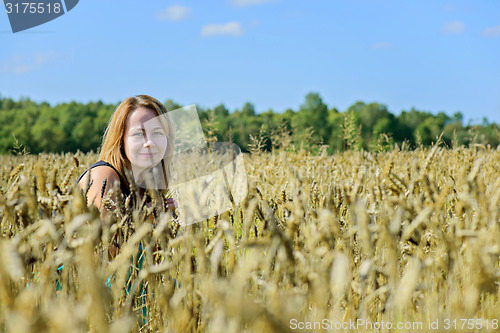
point(148, 155)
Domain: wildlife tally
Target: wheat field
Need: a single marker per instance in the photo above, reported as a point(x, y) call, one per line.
point(321, 243)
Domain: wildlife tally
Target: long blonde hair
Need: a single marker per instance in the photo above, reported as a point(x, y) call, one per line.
point(113, 150)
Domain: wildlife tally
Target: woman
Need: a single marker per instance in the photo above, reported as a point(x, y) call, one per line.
point(139, 140)
point(138, 143)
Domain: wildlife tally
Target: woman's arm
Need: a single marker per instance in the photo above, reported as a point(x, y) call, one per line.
point(102, 179)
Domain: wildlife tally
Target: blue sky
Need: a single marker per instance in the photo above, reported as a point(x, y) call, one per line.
point(429, 54)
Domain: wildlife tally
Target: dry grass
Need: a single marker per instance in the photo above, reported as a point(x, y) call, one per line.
point(394, 236)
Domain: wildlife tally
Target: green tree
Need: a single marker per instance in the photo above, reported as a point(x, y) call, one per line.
point(375, 120)
point(312, 115)
point(242, 124)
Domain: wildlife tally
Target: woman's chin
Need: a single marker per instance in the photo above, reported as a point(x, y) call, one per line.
point(143, 170)
point(145, 164)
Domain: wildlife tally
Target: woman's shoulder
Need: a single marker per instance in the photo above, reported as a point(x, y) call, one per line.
point(99, 172)
point(97, 180)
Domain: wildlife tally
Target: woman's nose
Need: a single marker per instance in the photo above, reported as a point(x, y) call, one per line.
point(147, 142)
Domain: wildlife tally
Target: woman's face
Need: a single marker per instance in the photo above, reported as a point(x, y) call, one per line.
point(145, 139)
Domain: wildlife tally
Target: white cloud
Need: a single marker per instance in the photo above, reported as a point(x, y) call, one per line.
point(254, 23)
point(491, 32)
point(245, 3)
point(229, 29)
point(173, 13)
point(383, 45)
point(22, 63)
point(454, 28)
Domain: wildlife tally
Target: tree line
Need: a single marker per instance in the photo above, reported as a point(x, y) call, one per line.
point(27, 126)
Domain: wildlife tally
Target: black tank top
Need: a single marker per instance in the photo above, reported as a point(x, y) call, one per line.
point(123, 187)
